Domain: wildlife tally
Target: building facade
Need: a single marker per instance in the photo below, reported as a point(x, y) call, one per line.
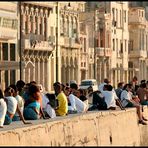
point(9, 53)
point(138, 43)
point(69, 40)
point(35, 45)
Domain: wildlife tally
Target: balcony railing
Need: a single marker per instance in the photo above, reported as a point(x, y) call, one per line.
point(101, 51)
point(36, 45)
point(138, 53)
point(8, 33)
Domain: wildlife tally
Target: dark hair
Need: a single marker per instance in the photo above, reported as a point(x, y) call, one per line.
point(20, 84)
point(74, 86)
point(106, 80)
point(143, 85)
point(127, 85)
point(52, 100)
point(14, 87)
point(9, 90)
point(1, 94)
point(120, 84)
point(109, 88)
point(33, 89)
point(33, 82)
point(56, 83)
point(143, 81)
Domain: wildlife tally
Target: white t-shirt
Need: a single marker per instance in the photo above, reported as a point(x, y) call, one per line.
point(125, 95)
point(110, 98)
point(47, 107)
point(101, 86)
point(12, 104)
point(77, 104)
point(20, 102)
point(3, 110)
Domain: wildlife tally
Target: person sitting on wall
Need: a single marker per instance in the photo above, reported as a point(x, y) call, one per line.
point(12, 107)
point(20, 102)
point(128, 101)
point(98, 101)
point(62, 108)
point(76, 105)
point(33, 109)
point(3, 109)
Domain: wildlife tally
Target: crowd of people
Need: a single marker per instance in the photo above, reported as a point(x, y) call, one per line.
point(27, 101)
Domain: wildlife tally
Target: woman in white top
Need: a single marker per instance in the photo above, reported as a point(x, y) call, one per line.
point(3, 109)
point(12, 106)
point(20, 102)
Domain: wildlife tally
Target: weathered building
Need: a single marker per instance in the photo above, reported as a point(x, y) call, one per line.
point(69, 40)
point(9, 53)
point(35, 45)
point(138, 43)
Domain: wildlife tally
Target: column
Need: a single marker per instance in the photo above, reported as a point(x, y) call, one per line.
point(99, 71)
point(42, 21)
point(47, 75)
point(33, 29)
point(42, 73)
point(39, 70)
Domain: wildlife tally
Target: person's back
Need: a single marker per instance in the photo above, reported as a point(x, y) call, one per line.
point(142, 93)
point(11, 105)
point(119, 90)
point(77, 104)
point(3, 110)
point(110, 97)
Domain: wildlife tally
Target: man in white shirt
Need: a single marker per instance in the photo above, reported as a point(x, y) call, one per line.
point(110, 97)
point(127, 101)
point(76, 103)
point(101, 86)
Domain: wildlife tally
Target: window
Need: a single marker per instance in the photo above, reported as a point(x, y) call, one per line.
point(121, 46)
point(117, 44)
point(113, 44)
point(130, 45)
point(125, 45)
point(12, 77)
point(125, 16)
point(5, 51)
point(12, 52)
point(6, 78)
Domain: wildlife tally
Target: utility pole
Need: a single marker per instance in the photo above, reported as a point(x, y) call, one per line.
point(57, 41)
point(20, 35)
point(95, 43)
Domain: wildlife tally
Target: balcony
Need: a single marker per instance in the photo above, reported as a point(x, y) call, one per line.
point(138, 54)
point(69, 42)
point(11, 65)
point(37, 45)
point(101, 51)
point(8, 33)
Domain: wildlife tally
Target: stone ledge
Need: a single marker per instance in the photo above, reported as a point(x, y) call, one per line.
point(95, 128)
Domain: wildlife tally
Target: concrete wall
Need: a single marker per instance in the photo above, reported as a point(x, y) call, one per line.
point(107, 128)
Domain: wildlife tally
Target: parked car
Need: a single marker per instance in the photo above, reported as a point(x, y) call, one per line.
point(89, 82)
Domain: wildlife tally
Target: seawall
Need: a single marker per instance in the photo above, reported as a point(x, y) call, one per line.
point(95, 128)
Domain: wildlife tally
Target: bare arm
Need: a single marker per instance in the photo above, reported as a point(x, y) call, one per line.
point(21, 116)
